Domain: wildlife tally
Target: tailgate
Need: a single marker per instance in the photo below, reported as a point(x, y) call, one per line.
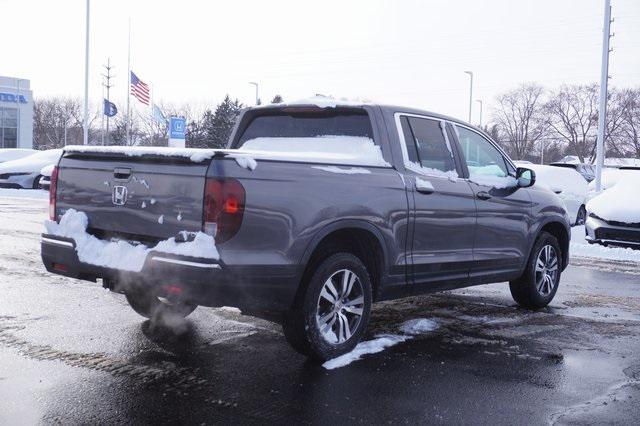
point(138, 198)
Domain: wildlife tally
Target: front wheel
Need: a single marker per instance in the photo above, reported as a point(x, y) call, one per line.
point(332, 312)
point(538, 284)
point(581, 218)
point(145, 303)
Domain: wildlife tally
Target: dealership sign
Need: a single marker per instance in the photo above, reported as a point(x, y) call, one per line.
point(10, 97)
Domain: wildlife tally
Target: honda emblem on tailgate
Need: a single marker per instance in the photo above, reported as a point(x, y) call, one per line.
point(119, 196)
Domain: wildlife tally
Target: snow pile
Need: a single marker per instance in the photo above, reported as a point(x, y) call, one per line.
point(621, 202)
point(122, 254)
point(424, 184)
point(196, 155)
point(415, 167)
point(411, 329)
point(374, 346)
point(345, 171)
point(418, 326)
point(246, 162)
point(357, 150)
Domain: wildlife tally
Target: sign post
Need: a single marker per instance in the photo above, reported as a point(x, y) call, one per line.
point(177, 131)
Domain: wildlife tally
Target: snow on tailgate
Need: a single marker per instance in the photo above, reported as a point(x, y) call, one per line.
point(196, 155)
point(122, 254)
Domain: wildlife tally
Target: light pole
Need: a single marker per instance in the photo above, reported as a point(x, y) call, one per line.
point(86, 82)
point(480, 102)
point(470, 93)
point(604, 79)
point(257, 98)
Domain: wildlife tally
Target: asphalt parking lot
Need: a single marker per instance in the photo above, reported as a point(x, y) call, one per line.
point(74, 353)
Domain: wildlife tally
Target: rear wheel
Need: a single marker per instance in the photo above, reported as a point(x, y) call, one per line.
point(538, 284)
point(331, 315)
point(145, 303)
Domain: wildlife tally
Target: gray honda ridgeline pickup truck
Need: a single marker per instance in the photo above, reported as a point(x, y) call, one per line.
point(317, 212)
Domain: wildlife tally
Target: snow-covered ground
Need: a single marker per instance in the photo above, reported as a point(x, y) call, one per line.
point(23, 193)
point(580, 248)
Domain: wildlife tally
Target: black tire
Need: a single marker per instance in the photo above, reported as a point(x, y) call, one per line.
point(301, 326)
point(528, 290)
point(150, 306)
point(581, 218)
point(36, 182)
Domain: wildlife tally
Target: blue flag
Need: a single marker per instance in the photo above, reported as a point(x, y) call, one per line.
point(158, 115)
point(110, 108)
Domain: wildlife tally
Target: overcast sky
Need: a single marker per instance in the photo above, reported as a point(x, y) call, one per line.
point(407, 52)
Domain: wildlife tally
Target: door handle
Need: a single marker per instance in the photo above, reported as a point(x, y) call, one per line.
point(483, 195)
point(121, 173)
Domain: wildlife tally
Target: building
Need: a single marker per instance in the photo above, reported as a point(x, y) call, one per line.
point(16, 113)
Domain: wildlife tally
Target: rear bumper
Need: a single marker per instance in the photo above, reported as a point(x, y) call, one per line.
point(256, 290)
point(599, 231)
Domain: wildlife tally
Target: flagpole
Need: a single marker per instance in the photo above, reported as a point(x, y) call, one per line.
point(129, 87)
point(86, 81)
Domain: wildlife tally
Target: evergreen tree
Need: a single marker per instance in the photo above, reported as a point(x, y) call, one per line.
point(217, 127)
point(277, 99)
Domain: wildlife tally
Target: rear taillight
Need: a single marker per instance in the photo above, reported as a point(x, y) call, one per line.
point(53, 189)
point(223, 208)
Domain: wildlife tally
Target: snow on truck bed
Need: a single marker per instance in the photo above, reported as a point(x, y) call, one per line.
point(346, 150)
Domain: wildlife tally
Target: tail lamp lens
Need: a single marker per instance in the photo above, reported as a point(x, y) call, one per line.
point(224, 201)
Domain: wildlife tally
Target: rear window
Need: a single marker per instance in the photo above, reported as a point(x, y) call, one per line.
point(308, 125)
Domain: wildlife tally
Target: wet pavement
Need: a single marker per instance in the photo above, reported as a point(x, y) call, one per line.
point(74, 353)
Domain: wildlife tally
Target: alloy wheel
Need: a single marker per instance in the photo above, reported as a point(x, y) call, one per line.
point(340, 307)
point(546, 270)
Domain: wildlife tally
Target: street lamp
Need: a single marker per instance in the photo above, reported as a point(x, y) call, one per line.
point(470, 92)
point(257, 98)
point(480, 102)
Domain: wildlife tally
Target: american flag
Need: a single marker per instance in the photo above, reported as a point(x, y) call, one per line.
point(139, 89)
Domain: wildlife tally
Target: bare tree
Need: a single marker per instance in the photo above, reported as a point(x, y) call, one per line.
point(628, 133)
point(573, 116)
point(519, 119)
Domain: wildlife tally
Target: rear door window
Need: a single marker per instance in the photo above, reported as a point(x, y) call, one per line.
point(427, 147)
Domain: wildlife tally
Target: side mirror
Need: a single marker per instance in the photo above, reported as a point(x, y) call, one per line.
point(525, 177)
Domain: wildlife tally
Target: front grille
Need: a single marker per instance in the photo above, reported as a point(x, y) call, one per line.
point(626, 225)
point(628, 235)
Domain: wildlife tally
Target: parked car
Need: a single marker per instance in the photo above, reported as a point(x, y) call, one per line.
point(614, 214)
point(588, 171)
point(315, 211)
point(568, 184)
point(8, 154)
point(25, 172)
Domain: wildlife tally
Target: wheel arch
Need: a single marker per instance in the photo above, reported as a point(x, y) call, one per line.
point(353, 236)
point(558, 229)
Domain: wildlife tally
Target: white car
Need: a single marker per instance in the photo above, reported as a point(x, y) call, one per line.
point(9, 154)
point(614, 214)
point(567, 183)
point(25, 172)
